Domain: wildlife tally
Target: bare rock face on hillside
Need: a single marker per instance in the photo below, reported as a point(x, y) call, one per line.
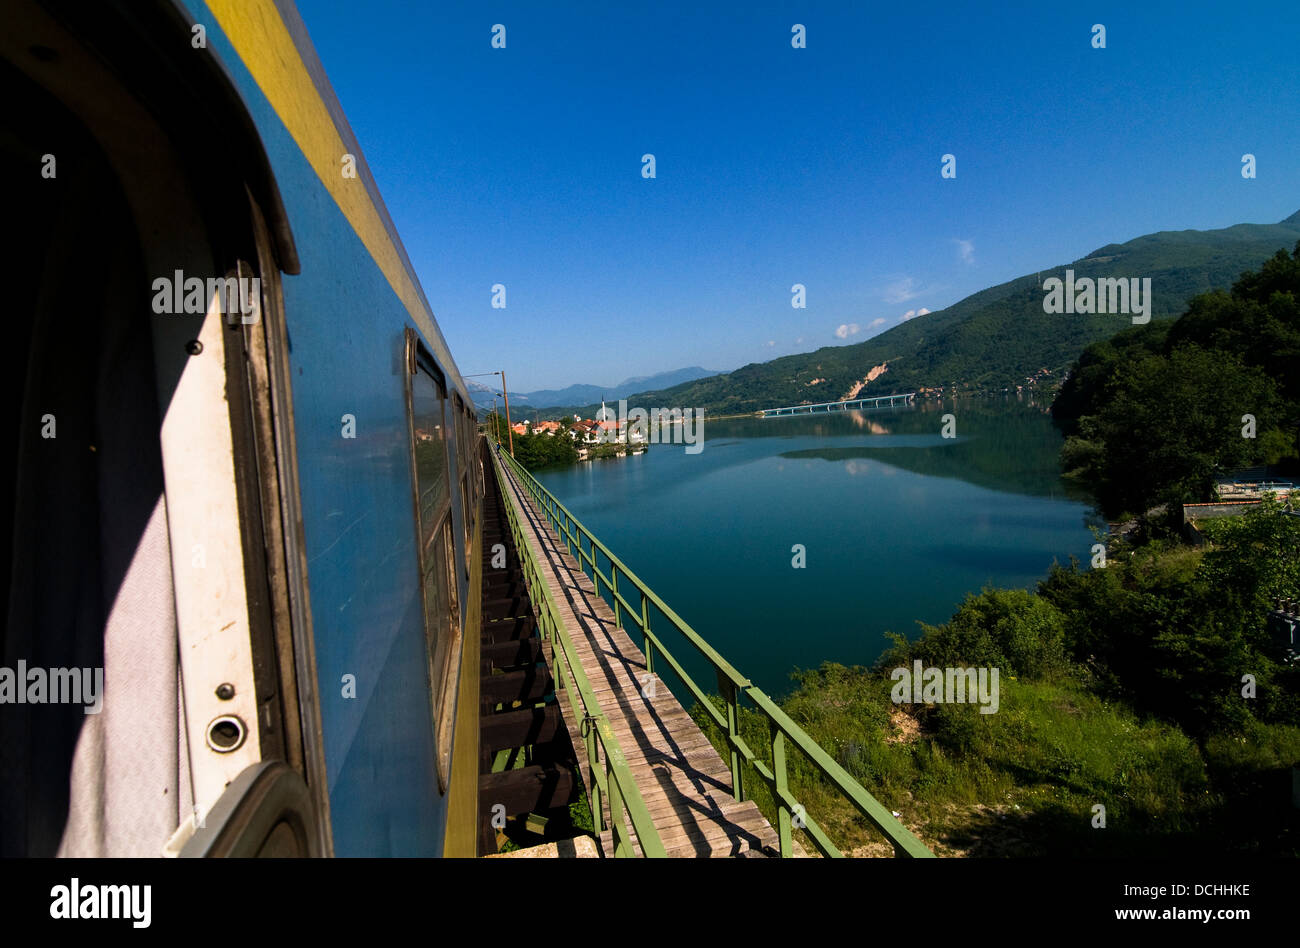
point(907, 730)
point(874, 374)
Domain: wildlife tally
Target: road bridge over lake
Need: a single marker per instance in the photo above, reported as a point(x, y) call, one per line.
point(849, 404)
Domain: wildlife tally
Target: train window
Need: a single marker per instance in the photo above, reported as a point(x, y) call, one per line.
point(466, 429)
point(429, 446)
point(427, 419)
point(462, 468)
point(467, 505)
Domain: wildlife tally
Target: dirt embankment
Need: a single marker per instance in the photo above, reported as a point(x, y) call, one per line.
point(874, 374)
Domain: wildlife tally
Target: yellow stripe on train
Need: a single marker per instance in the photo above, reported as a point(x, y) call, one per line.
point(259, 36)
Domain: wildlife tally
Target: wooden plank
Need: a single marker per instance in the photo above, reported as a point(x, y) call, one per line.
point(525, 684)
point(511, 654)
point(528, 789)
point(507, 607)
point(506, 730)
point(507, 630)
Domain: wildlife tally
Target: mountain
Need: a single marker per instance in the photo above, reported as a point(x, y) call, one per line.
point(584, 394)
point(993, 339)
point(643, 383)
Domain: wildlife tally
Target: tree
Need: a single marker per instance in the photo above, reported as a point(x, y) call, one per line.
point(536, 451)
point(1173, 630)
point(1167, 424)
point(1010, 629)
point(1153, 413)
point(496, 427)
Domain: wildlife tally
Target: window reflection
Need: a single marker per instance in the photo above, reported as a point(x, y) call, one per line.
point(427, 398)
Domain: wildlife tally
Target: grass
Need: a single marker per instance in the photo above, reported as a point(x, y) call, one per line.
point(1026, 780)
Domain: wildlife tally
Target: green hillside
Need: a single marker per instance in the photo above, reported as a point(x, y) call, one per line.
point(995, 338)
point(1155, 413)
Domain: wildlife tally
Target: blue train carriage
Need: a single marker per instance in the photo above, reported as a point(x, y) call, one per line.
point(247, 494)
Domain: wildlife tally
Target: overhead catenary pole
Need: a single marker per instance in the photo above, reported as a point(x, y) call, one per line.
point(505, 393)
point(496, 432)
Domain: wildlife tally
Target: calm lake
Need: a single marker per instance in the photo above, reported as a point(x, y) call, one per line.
point(897, 522)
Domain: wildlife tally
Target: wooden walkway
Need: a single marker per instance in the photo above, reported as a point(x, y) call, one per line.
point(684, 783)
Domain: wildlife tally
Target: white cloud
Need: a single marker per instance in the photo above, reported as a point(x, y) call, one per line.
point(922, 311)
point(844, 330)
point(878, 321)
point(900, 291)
point(966, 250)
point(912, 314)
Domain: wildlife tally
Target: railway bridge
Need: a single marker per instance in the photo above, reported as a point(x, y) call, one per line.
point(573, 707)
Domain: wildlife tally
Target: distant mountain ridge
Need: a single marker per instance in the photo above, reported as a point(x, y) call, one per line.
point(582, 394)
point(992, 339)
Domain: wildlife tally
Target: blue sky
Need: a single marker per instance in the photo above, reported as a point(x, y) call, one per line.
point(777, 166)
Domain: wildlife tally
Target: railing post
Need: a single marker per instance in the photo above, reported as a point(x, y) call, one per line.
point(728, 689)
point(618, 613)
point(593, 790)
point(782, 787)
point(647, 646)
point(616, 813)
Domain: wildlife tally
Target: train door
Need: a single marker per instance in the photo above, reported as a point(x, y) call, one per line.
point(154, 571)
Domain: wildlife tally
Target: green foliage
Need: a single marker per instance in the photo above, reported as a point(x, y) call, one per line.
point(1167, 424)
point(580, 814)
point(1017, 783)
point(534, 451)
point(495, 426)
point(1254, 558)
point(1096, 368)
point(1259, 321)
point(1010, 629)
point(1154, 414)
point(598, 452)
point(1173, 630)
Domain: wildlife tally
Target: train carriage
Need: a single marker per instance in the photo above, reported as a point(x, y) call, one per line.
point(248, 482)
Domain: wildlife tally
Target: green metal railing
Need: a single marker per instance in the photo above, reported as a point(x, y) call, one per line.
point(613, 782)
point(782, 730)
